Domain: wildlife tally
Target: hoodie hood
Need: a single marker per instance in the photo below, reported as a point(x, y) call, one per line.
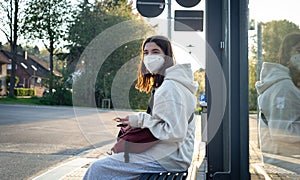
point(271, 73)
point(183, 74)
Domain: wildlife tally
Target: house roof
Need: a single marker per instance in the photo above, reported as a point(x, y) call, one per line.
point(33, 64)
point(4, 59)
point(44, 64)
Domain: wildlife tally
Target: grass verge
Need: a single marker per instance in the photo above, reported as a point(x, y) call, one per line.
point(16, 100)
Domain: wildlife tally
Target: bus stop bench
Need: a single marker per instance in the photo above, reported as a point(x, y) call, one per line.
point(164, 176)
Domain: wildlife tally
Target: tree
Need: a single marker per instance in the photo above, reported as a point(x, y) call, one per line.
point(252, 79)
point(272, 36)
point(90, 21)
point(11, 7)
point(47, 20)
point(199, 77)
point(32, 50)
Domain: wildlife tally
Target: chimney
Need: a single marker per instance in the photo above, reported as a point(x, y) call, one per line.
point(25, 55)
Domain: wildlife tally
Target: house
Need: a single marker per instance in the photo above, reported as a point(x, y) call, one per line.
point(4, 61)
point(31, 70)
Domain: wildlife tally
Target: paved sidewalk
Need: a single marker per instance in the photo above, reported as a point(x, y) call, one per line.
point(257, 169)
point(74, 169)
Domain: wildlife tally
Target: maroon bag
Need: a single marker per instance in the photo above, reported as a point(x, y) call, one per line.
point(135, 140)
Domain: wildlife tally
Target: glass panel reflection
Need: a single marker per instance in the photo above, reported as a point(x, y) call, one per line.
point(276, 62)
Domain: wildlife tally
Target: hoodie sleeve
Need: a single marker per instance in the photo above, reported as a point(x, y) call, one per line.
point(169, 120)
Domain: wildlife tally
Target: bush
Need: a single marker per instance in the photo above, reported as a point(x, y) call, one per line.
point(252, 100)
point(24, 92)
point(198, 110)
point(60, 97)
point(138, 100)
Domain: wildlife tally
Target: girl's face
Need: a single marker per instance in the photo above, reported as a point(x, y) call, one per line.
point(295, 57)
point(152, 48)
point(294, 63)
point(295, 49)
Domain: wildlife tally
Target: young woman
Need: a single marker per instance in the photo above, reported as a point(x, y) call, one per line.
point(279, 103)
point(174, 103)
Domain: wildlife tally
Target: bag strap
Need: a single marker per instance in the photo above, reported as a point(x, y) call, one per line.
point(126, 153)
point(151, 101)
point(191, 118)
point(263, 118)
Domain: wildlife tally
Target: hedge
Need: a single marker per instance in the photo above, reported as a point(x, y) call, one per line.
point(24, 92)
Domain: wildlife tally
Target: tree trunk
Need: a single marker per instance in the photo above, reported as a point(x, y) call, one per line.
point(13, 48)
point(51, 65)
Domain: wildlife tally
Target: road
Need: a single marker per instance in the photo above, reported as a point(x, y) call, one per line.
point(35, 138)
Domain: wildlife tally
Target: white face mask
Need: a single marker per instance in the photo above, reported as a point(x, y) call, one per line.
point(153, 62)
point(295, 61)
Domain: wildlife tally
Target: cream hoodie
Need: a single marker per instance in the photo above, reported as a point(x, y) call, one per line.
point(279, 100)
point(174, 103)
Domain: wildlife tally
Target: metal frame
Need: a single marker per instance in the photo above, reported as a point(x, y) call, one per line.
point(226, 33)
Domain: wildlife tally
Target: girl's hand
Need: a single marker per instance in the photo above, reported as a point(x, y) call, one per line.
point(124, 122)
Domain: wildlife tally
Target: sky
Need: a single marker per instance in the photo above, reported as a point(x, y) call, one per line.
point(266, 10)
point(259, 10)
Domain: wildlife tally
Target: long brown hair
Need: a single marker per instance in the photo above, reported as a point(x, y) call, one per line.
point(284, 54)
point(146, 81)
point(288, 42)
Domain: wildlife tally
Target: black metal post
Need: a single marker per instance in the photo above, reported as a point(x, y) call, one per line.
point(228, 145)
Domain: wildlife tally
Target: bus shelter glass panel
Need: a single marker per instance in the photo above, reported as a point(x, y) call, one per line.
point(274, 88)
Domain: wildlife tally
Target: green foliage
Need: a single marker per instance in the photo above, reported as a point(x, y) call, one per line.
point(46, 19)
point(60, 97)
point(199, 77)
point(9, 20)
point(32, 50)
point(113, 64)
point(17, 80)
point(137, 99)
point(14, 100)
point(62, 93)
point(198, 110)
point(272, 36)
point(252, 79)
point(90, 21)
point(24, 92)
